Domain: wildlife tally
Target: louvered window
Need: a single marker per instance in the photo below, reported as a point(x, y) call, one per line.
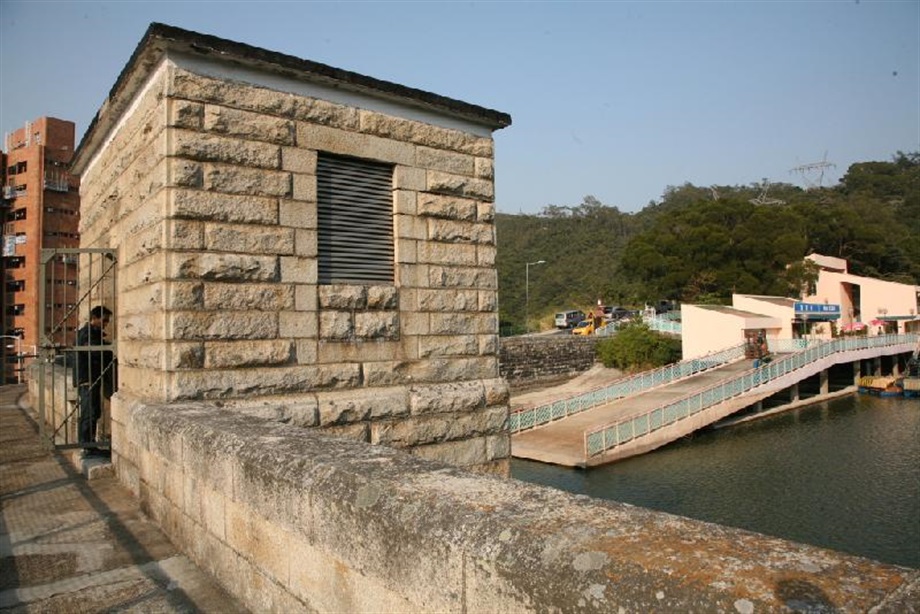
point(355, 217)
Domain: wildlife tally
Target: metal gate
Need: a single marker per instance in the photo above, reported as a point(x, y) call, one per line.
point(75, 360)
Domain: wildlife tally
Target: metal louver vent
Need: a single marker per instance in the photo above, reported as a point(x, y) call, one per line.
point(355, 218)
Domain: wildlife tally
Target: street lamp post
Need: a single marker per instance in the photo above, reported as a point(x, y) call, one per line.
point(18, 357)
point(527, 292)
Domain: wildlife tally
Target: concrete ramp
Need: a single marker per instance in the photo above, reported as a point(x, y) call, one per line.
point(638, 424)
point(563, 442)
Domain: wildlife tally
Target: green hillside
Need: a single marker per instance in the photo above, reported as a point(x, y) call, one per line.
point(702, 244)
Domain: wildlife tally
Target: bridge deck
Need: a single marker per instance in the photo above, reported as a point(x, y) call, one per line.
point(562, 442)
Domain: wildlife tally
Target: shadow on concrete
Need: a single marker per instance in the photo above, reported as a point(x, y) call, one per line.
point(67, 540)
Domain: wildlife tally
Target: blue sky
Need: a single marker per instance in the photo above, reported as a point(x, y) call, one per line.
point(617, 100)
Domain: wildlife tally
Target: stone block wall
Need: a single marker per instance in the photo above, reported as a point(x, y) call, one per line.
point(290, 521)
point(207, 188)
point(529, 359)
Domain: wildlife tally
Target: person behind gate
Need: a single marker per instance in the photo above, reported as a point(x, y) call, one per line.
point(93, 374)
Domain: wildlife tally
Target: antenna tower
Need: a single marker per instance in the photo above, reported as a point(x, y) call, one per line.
point(813, 173)
point(763, 200)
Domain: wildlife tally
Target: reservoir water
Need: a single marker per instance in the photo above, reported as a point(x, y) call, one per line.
point(842, 474)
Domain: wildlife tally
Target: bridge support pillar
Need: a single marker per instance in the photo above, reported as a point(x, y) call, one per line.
point(793, 393)
point(857, 371)
point(825, 385)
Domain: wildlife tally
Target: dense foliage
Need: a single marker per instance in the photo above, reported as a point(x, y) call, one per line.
point(637, 348)
point(702, 244)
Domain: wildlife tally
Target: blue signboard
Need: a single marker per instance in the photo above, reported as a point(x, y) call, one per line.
point(817, 310)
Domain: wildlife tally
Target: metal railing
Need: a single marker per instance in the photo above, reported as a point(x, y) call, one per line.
point(602, 438)
point(610, 328)
point(654, 322)
point(791, 346)
point(531, 417)
point(663, 325)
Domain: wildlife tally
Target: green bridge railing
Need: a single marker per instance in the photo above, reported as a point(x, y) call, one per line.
point(609, 436)
point(527, 418)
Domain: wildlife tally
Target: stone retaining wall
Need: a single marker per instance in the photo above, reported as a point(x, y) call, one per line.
point(531, 358)
point(292, 520)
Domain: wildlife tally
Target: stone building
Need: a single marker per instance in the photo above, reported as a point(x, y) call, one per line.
point(300, 243)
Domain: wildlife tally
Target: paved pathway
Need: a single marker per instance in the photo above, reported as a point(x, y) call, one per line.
point(562, 442)
point(72, 545)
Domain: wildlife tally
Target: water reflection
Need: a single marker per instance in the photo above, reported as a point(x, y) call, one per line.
point(844, 474)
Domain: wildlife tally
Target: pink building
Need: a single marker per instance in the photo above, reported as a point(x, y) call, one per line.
point(838, 302)
point(883, 306)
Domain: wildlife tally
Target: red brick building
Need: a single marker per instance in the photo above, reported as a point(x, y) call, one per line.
point(41, 209)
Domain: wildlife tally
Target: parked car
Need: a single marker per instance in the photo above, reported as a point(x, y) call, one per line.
point(664, 306)
point(585, 327)
point(616, 313)
point(568, 319)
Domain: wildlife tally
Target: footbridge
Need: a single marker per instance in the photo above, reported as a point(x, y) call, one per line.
point(633, 417)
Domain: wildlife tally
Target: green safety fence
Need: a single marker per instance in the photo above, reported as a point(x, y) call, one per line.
point(531, 417)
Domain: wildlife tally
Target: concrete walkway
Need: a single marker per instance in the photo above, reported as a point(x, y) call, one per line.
point(68, 544)
point(562, 442)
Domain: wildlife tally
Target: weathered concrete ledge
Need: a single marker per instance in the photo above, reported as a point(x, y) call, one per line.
point(289, 519)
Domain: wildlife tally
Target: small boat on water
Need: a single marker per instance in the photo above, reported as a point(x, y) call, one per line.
point(911, 386)
point(907, 385)
point(881, 385)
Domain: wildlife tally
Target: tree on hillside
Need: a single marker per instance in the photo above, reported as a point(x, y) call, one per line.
point(580, 245)
point(701, 244)
point(800, 278)
point(711, 249)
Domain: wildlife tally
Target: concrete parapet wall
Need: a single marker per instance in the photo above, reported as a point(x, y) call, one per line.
point(60, 401)
point(289, 519)
point(523, 359)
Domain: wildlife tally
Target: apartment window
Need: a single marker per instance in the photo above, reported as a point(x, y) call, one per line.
point(355, 218)
point(16, 310)
point(16, 262)
point(18, 214)
point(15, 285)
point(15, 169)
point(60, 211)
